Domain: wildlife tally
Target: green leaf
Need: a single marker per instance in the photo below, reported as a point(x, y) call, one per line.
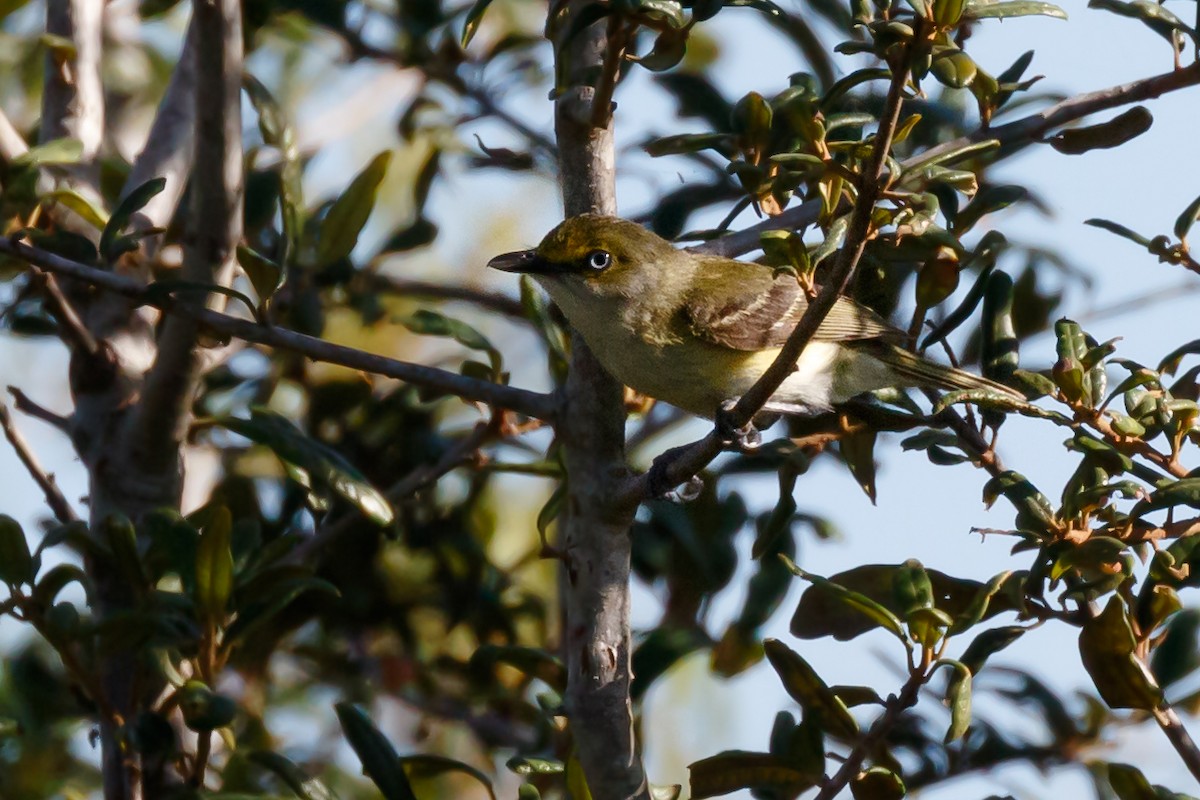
point(670, 47)
point(420, 766)
point(295, 778)
point(958, 698)
point(833, 240)
point(534, 662)
point(1154, 16)
point(203, 709)
point(81, 205)
point(278, 133)
point(54, 580)
point(1114, 133)
point(323, 464)
point(132, 203)
point(472, 20)
point(348, 215)
point(737, 769)
point(953, 155)
point(16, 561)
point(265, 275)
point(989, 9)
point(1186, 219)
point(380, 761)
point(55, 152)
point(987, 644)
point(255, 611)
point(431, 323)
point(822, 613)
point(1106, 645)
point(860, 603)
point(877, 783)
point(1119, 230)
point(523, 765)
point(805, 686)
point(214, 566)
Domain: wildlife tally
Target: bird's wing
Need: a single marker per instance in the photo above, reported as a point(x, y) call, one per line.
point(762, 314)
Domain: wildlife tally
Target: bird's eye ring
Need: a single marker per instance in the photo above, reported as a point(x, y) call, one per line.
point(599, 259)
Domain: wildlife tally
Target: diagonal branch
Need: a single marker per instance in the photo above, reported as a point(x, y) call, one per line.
point(1025, 131)
point(681, 464)
point(461, 452)
point(533, 404)
point(159, 423)
point(1012, 137)
point(45, 481)
point(169, 146)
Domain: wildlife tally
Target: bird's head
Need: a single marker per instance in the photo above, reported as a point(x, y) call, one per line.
point(596, 255)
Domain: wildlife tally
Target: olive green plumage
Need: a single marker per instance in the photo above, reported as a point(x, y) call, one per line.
point(696, 330)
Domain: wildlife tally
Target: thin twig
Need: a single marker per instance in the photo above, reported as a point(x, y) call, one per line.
point(492, 301)
point(23, 404)
point(896, 705)
point(45, 481)
point(74, 332)
point(158, 423)
point(1171, 725)
point(1027, 130)
point(533, 404)
point(681, 464)
point(460, 453)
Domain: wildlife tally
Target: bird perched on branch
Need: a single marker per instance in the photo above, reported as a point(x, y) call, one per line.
point(697, 330)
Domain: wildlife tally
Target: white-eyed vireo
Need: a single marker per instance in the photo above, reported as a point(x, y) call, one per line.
point(697, 330)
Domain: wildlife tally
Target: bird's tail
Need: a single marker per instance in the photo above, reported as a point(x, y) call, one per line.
point(916, 370)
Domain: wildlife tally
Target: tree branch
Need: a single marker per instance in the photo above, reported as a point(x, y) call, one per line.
point(169, 146)
point(23, 404)
point(533, 404)
point(160, 420)
point(458, 454)
point(680, 464)
point(596, 543)
point(492, 301)
point(1172, 726)
point(73, 97)
point(45, 481)
point(896, 705)
point(1028, 130)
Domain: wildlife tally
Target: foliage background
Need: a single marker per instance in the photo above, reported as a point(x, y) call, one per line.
point(348, 112)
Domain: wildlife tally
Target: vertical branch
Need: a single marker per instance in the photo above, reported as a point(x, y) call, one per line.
point(214, 227)
point(73, 98)
point(592, 429)
point(169, 148)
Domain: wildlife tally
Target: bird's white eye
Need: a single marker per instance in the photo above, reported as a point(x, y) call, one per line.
point(599, 259)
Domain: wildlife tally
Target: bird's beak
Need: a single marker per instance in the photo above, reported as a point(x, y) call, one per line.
point(523, 261)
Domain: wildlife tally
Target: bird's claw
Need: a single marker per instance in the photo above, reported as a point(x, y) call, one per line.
point(745, 438)
point(662, 487)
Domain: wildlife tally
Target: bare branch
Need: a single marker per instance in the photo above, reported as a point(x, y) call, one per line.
point(23, 404)
point(169, 146)
point(160, 421)
point(45, 481)
point(492, 301)
point(533, 404)
point(1028, 130)
point(736, 244)
point(12, 144)
point(73, 98)
point(896, 705)
point(1171, 725)
point(595, 534)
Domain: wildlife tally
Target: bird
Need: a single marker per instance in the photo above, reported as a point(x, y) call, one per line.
point(697, 330)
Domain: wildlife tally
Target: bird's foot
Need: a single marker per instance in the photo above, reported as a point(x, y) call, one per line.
point(745, 438)
point(660, 485)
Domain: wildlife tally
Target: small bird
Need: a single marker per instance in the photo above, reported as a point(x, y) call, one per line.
point(697, 331)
